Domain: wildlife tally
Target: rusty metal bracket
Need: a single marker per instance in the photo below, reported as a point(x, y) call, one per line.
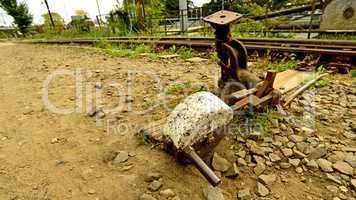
point(233, 57)
point(232, 54)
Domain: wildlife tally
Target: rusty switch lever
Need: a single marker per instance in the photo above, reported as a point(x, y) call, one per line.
point(202, 167)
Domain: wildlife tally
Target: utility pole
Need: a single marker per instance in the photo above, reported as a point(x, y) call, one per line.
point(99, 18)
point(50, 14)
point(183, 15)
point(140, 12)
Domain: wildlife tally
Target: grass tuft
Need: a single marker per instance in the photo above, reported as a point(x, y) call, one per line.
point(353, 73)
point(185, 88)
point(283, 66)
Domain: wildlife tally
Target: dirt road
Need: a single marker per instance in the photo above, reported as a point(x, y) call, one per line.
point(60, 154)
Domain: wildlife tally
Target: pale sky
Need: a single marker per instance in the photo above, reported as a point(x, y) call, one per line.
point(66, 8)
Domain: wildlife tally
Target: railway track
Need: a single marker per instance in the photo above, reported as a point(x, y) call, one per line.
point(321, 47)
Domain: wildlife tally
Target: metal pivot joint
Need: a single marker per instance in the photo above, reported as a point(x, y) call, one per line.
point(231, 52)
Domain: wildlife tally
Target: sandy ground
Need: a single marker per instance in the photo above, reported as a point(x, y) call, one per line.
point(46, 155)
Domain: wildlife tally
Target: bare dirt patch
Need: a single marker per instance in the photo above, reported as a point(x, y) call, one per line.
point(45, 155)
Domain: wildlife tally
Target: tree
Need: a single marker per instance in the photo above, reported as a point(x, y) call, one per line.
point(81, 13)
point(19, 12)
point(57, 19)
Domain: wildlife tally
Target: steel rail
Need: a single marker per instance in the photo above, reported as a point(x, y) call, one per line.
point(244, 40)
point(327, 47)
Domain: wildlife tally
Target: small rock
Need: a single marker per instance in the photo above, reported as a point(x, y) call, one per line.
point(337, 156)
point(299, 170)
point(196, 60)
point(274, 157)
point(147, 197)
point(127, 168)
point(254, 135)
point(213, 193)
point(349, 149)
point(284, 179)
point(299, 154)
point(100, 114)
point(132, 154)
point(233, 171)
point(267, 179)
point(220, 164)
point(312, 165)
point(302, 146)
point(353, 184)
point(275, 123)
point(349, 135)
point(129, 99)
point(167, 193)
point(325, 165)
point(241, 154)
point(283, 127)
point(262, 190)
point(155, 186)
point(343, 197)
point(343, 189)
point(351, 159)
point(121, 157)
point(255, 149)
point(333, 178)
point(307, 130)
point(152, 176)
point(296, 138)
point(294, 162)
point(244, 194)
point(303, 179)
point(91, 192)
point(241, 162)
point(333, 189)
point(285, 165)
point(318, 152)
point(109, 156)
point(343, 167)
point(169, 56)
point(287, 152)
point(290, 144)
point(54, 140)
point(259, 169)
point(258, 159)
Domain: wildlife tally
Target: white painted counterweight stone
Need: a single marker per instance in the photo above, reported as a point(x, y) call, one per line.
point(195, 118)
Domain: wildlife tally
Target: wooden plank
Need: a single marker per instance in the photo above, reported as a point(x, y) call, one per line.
point(267, 85)
point(289, 80)
point(290, 98)
point(243, 93)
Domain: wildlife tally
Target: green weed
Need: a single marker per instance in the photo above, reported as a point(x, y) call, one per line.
point(184, 52)
point(322, 83)
point(353, 73)
point(283, 66)
point(130, 51)
point(185, 88)
point(262, 120)
point(214, 57)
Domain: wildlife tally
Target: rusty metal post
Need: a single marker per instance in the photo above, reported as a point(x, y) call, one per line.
point(231, 52)
point(221, 21)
